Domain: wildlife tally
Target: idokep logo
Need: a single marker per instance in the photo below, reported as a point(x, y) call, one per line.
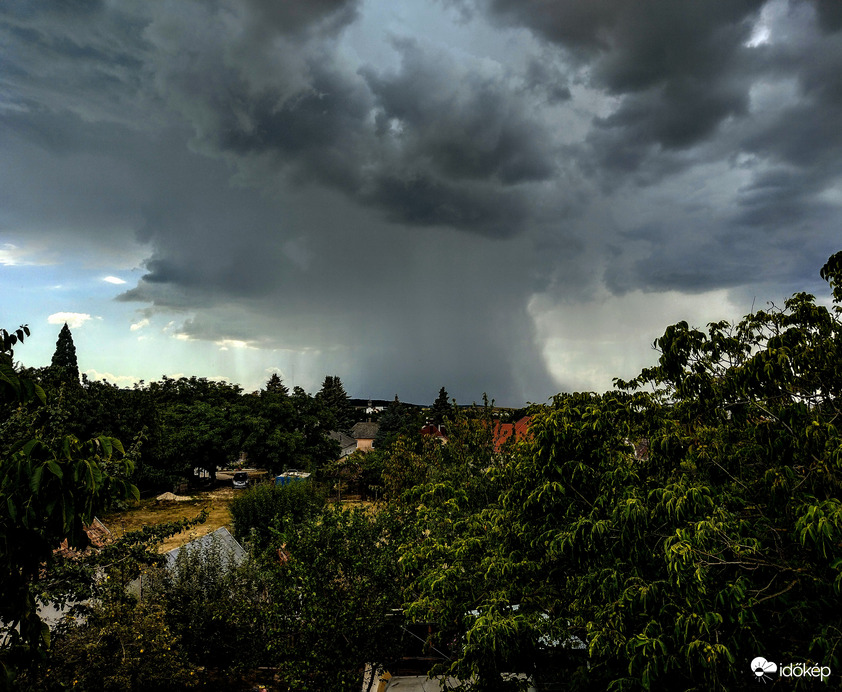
point(764, 670)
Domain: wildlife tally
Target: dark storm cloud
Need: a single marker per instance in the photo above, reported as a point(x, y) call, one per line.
point(777, 198)
point(466, 126)
point(696, 83)
point(426, 144)
point(547, 79)
point(425, 201)
point(830, 15)
point(292, 17)
point(675, 62)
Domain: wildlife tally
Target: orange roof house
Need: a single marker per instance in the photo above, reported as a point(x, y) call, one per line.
point(503, 432)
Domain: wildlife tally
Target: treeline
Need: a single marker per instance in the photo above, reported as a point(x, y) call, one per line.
point(173, 428)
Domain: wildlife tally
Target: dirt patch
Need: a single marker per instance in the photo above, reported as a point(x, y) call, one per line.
point(172, 497)
point(153, 511)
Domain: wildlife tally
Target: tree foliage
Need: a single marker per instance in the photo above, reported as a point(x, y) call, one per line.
point(215, 607)
point(398, 418)
point(676, 527)
point(442, 408)
point(337, 590)
point(51, 486)
point(336, 403)
point(261, 511)
point(274, 386)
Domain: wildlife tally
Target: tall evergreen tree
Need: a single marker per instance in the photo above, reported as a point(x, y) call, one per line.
point(442, 408)
point(64, 365)
point(333, 397)
point(276, 386)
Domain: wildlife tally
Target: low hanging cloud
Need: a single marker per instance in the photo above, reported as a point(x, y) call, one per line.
point(73, 319)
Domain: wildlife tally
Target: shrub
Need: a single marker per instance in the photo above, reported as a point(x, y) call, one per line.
point(121, 646)
point(213, 605)
point(263, 508)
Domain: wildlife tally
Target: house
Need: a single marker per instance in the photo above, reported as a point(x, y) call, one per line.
point(435, 431)
point(364, 434)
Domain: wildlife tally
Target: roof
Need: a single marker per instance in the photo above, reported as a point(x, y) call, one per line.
point(434, 430)
point(503, 432)
point(365, 431)
point(220, 540)
point(98, 535)
point(343, 439)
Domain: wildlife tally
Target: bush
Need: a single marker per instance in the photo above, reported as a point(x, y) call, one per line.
point(121, 646)
point(263, 508)
point(214, 607)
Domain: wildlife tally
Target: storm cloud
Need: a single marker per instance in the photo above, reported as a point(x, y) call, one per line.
point(414, 194)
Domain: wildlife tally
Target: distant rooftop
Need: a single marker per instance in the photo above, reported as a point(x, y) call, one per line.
point(220, 540)
point(365, 430)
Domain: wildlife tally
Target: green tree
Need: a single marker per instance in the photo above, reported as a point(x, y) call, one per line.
point(263, 510)
point(675, 527)
point(215, 606)
point(274, 385)
point(110, 639)
point(51, 487)
point(64, 366)
point(121, 647)
point(442, 408)
point(397, 419)
point(336, 402)
point(313, 427)
point(338, 591)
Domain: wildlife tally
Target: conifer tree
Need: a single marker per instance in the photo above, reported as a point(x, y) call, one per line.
point(64, 364)
point(333, 397)
point(276, 386)
point(442, 408)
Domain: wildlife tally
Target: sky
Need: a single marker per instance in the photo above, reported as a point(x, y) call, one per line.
point(511, 197)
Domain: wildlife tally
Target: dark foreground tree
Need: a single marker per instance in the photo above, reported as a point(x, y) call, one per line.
point(398, 419)
point(51, 487)
point(337, 599)
point(665, 534)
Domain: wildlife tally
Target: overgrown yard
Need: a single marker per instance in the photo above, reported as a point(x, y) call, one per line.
point(153, 511)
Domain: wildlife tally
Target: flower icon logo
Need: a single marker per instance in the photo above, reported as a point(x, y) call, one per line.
point(763, 669)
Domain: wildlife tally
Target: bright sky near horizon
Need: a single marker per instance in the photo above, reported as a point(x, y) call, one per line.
point(504, 196)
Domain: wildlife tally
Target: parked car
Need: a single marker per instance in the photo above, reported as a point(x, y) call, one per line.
point(241, 479)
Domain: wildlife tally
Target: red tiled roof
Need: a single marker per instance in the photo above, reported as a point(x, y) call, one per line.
point(433, 429)
point(503, 432)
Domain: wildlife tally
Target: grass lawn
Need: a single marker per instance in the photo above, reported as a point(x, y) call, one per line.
point(152, 511)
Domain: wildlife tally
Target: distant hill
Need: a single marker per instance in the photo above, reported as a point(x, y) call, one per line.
point(363, 403)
